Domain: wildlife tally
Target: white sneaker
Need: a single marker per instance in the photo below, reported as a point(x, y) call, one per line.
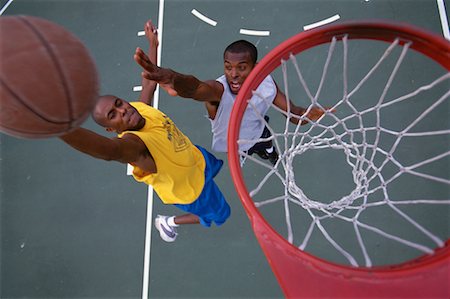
point(168, 233)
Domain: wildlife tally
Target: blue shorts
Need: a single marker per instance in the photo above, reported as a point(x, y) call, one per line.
point(210, 205)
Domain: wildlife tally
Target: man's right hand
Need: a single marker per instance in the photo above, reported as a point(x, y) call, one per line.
point(164, 77)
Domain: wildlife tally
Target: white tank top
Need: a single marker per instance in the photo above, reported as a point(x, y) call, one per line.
point(252, 126)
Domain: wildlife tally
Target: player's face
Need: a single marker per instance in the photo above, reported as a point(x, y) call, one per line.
point(237, 66)
point(118, 115)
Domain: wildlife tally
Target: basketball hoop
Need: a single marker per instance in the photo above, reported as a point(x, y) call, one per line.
point(376, 165)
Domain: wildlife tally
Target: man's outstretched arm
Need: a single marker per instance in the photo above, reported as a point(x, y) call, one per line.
point(149, 86)
point(177, 84)
point(313, 114)
point(127, 149)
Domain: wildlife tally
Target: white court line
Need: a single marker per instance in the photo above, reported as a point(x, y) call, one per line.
point(137, 88)
point(321, 23)
point(203, 17)
point(149, 215)
point(444, 20)
point(5, 7)
point(141, 33)
point(254, 32)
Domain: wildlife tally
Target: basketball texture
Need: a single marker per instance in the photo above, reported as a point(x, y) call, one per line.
point(48, 80)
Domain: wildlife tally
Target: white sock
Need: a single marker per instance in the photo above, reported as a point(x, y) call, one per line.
point(269, 150)
point(171, 221)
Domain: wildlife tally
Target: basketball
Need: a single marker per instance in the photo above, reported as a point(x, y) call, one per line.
point(48, 80)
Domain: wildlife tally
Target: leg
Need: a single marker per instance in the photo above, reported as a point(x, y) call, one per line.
point(265, 149)
point(210, 205)
point(186, 219)
point(166, 225)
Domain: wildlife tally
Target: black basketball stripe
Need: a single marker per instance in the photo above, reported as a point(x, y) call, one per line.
point(28, 134)
point(64, 80)
point(25, 104)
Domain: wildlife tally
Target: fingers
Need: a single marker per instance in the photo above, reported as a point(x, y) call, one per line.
point(140, 52)
point(142, 59)
point(150, 71)
point(315, 113)
point(149, 27)
point(154, 29)
point(140, 55)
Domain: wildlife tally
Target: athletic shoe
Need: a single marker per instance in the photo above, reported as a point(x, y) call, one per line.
point(168, 233)
point(272, 157)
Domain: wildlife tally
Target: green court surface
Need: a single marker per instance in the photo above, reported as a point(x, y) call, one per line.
point(75, 227)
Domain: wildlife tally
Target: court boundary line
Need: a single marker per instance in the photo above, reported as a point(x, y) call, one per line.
point(443, 18)
point(149, 213)
point(5, 7)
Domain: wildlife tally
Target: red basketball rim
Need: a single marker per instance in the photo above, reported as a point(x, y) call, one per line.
point(431, 45)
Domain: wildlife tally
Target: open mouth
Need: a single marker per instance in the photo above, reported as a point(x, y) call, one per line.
point(235, 86)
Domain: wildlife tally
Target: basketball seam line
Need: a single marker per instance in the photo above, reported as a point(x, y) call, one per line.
point(18, 98)
point(57, 65)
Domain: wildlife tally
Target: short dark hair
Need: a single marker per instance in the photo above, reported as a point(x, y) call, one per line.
point(242, 46)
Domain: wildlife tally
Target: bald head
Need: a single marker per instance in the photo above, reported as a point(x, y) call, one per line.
point(116, 114)
point(98, 114)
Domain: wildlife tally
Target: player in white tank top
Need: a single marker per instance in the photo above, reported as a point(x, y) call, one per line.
point(239, 59)
point(252, 123)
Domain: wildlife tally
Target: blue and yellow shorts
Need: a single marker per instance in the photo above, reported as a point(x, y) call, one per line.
point(211, 204)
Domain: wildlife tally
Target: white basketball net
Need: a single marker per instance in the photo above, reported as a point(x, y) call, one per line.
point(364, 152)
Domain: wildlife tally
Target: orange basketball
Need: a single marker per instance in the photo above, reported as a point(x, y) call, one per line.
point(48, 80)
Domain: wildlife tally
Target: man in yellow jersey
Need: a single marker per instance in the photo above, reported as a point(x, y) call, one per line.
point(162, 156)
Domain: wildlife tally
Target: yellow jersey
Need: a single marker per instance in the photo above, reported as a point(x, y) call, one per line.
point(180, 164)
